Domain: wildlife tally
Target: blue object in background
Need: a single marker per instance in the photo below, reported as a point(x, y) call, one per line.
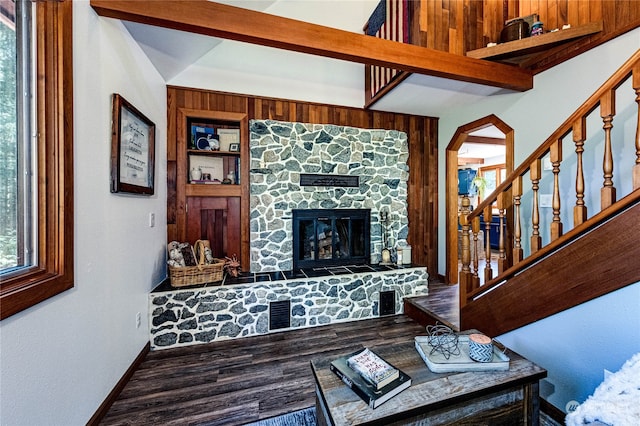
point(465, 177)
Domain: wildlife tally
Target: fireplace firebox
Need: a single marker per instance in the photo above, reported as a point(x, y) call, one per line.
point(331, 237)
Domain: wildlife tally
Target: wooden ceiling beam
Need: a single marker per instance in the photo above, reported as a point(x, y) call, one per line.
point(234, 23)
point(463, 161)
point(485, 139)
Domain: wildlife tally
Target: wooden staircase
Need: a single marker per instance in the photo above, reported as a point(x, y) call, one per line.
point(560, 265)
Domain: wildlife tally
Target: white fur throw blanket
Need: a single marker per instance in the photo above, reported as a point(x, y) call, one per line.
point(616, 401)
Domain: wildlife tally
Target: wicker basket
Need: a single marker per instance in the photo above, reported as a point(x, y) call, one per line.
point(194, 275)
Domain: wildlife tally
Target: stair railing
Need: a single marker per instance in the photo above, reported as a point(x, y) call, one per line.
point(507, 199)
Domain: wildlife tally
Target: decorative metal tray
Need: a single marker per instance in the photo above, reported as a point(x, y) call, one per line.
point(438, 363)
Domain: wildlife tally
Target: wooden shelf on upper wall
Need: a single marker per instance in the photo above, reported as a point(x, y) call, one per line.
point(519, 51)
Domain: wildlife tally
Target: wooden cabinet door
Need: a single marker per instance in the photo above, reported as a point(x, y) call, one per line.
point(216, 219)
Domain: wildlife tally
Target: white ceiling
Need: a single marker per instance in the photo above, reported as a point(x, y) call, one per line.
point(172, 52)
point(481, 150)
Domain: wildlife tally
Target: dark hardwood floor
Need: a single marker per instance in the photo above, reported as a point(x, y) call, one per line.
point(241, 381)
point(244, 380)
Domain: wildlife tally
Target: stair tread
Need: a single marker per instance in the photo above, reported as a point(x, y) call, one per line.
point(442, 304)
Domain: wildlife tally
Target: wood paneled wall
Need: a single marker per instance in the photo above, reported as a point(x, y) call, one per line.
point(463, 25)
point(617, 16)
point(422, 133)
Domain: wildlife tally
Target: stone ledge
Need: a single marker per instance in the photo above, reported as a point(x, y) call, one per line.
point(183, 317)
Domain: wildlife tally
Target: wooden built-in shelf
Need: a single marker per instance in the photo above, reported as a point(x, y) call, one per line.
point(214, 153)
point(519, 50)
point(212, 190)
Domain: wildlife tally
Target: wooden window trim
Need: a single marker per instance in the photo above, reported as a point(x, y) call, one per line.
point(497, 167)
point(53, 272)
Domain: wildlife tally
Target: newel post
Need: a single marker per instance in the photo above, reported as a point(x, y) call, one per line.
point(465, 282)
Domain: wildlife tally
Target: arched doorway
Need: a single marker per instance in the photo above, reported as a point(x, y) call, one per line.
point(464, 134)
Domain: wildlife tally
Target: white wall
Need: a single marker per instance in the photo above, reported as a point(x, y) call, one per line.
point(61, 358)
point(576, 345)
point(255, 70)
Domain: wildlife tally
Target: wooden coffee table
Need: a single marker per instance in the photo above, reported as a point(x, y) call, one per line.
point(488, 397)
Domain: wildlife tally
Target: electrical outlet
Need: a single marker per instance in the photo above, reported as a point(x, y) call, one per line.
point(152, 220)
point(138, 319)
point(546, 388)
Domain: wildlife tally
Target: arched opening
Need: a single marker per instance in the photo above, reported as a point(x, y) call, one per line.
point(472, 143)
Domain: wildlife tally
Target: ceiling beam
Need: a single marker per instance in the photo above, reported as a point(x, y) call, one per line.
point(234, 23)
point(486, 140)
point(463, 161)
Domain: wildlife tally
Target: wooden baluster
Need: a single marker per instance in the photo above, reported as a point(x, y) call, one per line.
point(555, 154)
point(536, 173)
point(607, 111)
point(475, 228)
point(636, 87)
point(465, 273)
point(502, 256)
point(579, 136)
point(488, 272)
point(516, 188)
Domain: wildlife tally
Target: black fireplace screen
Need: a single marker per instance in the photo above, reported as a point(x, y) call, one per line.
point(328, 237)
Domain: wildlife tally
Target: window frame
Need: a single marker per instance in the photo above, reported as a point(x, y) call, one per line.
point(53, 271)
point(498, 169)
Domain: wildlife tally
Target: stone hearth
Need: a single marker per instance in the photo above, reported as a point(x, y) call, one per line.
point(182, 317)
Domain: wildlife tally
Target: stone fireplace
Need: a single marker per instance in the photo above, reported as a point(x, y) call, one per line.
point(295, 166)
point(322, 175)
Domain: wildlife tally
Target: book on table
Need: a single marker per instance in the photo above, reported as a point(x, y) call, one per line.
point(368, 392)
point(372, 368)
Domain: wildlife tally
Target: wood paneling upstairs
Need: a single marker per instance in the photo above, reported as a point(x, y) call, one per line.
point(618, 17)
point(460, 26)
point(422, 134)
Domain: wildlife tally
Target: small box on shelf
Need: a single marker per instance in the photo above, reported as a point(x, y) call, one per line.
point(200, 132)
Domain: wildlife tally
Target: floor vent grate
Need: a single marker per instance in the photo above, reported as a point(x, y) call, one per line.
point(387, 302)
point(279, 314)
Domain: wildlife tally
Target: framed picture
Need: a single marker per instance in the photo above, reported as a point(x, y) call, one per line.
point(132, 149)
point(227, 137)
point(234, 147)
